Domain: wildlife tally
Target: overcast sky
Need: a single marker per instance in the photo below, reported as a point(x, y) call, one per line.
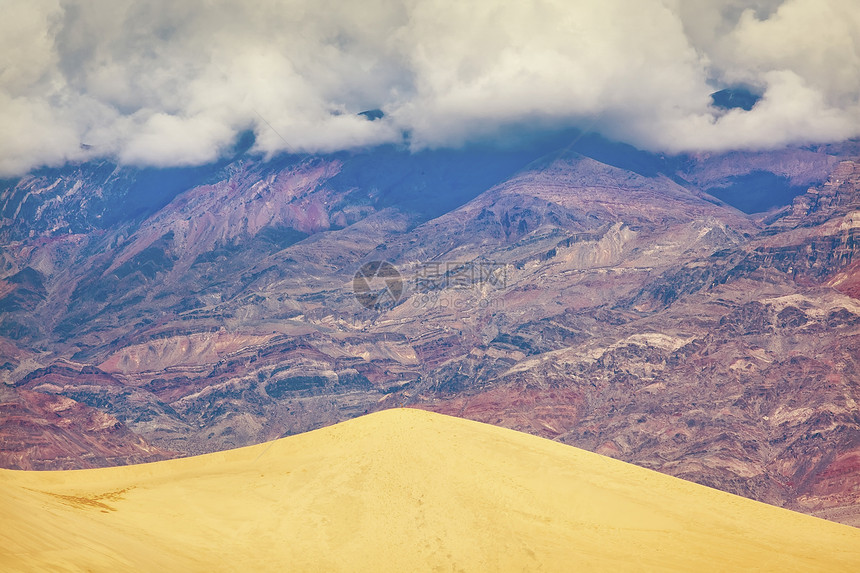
point(172, 82)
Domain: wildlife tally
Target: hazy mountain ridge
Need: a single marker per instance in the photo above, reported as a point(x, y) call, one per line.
point(226, 317)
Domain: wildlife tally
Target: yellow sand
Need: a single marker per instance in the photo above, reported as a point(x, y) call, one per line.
point(401, 490)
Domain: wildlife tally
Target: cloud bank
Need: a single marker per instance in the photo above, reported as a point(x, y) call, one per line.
point(173, 82)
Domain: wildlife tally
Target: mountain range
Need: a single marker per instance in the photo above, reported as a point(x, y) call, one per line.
point(696, 315)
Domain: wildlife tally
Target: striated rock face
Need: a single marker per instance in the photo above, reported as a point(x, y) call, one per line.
point(52, 432)
point(615, 307)
point(739, 371)
point(751, 401)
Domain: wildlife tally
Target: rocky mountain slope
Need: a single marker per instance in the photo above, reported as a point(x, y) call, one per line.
point(584, 292)
point(41, 431)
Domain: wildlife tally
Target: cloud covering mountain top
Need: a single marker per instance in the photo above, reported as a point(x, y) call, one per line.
point(174, 82)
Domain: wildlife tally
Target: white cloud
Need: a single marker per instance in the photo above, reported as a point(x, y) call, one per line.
point(173, 82)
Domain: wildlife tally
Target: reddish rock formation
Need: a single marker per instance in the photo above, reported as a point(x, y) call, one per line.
point(48, 432)
point(624, 312)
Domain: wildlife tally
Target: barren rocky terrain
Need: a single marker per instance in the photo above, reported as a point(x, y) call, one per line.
point(594, 295)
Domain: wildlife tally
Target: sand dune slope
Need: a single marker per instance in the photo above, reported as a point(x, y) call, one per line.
point(401, 490)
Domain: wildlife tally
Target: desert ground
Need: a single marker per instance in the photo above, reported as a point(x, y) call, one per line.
point(401, 490)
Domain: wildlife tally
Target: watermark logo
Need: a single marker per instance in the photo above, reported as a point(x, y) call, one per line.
point(437, 276)
point(377, 285)
point(459, 285)
point(456, 284)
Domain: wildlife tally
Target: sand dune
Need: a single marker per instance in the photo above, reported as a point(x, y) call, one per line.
point(401, 490)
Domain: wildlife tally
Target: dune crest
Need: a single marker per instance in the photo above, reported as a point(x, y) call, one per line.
point(401, 490)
